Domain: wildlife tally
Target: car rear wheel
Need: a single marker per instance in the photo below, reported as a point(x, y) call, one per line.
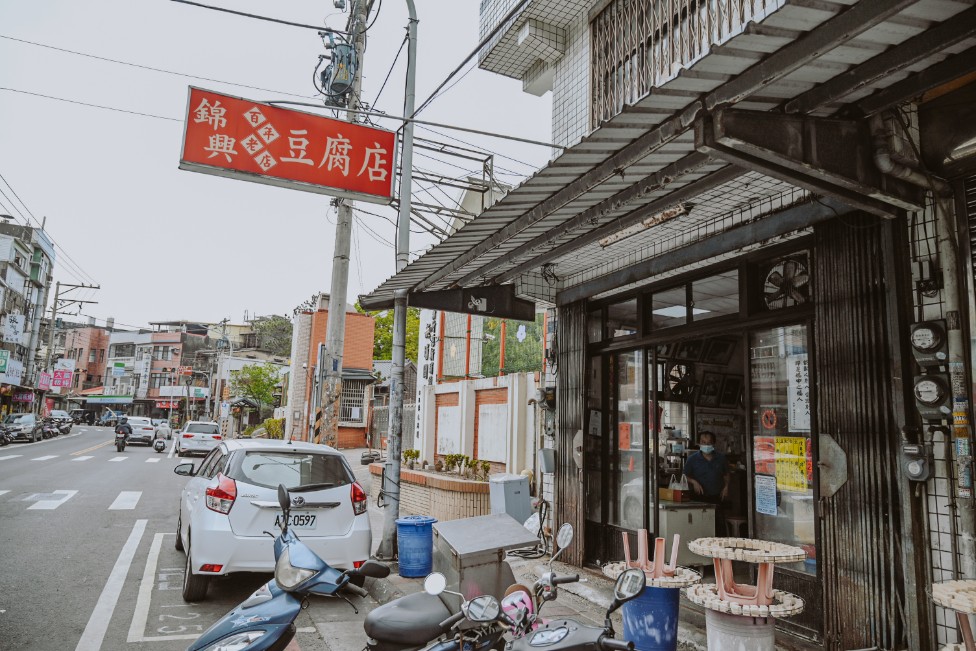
point(34, 436)
point(194, 585)
point(179, 533)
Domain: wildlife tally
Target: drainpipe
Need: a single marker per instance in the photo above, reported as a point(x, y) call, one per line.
point(949, 264)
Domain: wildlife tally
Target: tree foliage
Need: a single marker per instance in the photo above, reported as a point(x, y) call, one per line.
point(383, 333)
point(308, 305)
point(520, 356)
point(257, 382)
point(274, 334)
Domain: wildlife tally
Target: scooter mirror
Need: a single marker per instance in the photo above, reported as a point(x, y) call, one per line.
point(284, 500)
point(374, 569)
point(482, 609)
point(435, 583)
point(629, 584)
point(564, 536)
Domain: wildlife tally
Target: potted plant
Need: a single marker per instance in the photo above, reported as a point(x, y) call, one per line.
point(485, 469)
point(411, 456)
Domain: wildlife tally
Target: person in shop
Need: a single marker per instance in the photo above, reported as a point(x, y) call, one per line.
point(708, 472)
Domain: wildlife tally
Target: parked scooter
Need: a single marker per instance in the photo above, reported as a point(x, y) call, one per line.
point(5, 437)
point(48, 429)
point(266, 619)
point(159, 445)
point(64, 427)
point(523, 606)
point(483, 612)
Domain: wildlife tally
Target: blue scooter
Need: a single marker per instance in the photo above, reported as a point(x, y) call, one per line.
point(265, 621)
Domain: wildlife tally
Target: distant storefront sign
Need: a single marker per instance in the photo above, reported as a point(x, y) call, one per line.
point(167, 404)
point(108, 400)
point(23, 396)
point(118, 369)
point(62, 379)
point(64, 364)
point(44, 381)
point(247, 140)
point(4, 358)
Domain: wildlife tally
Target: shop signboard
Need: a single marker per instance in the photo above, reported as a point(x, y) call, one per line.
point(44, 381)
point(791, 464)
point(798, 387)
point(64, 364)
point(4, 358)
point(23, 396)
point(184, 370)
point(167, 404)
point(62, 378)
point(13, 329)
point(118, 369)
point(252, 141)
point(14, 373)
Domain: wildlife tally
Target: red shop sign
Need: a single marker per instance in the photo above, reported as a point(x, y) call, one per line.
point(247, 140)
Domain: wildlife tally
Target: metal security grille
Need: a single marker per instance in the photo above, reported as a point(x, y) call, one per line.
point(970, 197)
point(352, 407)
point(640, 44)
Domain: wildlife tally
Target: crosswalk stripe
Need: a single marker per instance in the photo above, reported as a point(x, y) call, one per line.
point(83, 458)
point(4, 492)
point(126, 500)
point(11, 456)
point(45, 457)
point(156, 460)
point(50, 505)
point(119, 459)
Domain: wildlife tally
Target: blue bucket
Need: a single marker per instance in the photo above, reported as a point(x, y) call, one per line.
point(415, 545)
point(651, 619)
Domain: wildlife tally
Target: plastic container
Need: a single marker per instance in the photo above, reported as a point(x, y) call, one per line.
point(741, 633)
point(651, 619)
point(415, 545)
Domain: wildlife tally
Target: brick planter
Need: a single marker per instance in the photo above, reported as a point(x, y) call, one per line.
point(436, 494)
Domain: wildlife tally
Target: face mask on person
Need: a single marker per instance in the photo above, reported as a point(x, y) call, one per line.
point(707, 449)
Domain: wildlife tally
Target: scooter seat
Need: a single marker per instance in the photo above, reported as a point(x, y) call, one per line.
point(410, 620)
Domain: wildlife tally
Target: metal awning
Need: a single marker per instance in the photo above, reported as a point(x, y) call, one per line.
point(358, 374)
point(816, 60)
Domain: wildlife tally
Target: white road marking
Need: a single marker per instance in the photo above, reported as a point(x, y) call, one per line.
point(126, 500)
point(11, 456)
point(83, 458)
point(140, 616)
point(154, 460)
point(45, 457)
point(50, 505)
point(91, 639)
point(119, 459)
point(172, 450)
point(4, 492)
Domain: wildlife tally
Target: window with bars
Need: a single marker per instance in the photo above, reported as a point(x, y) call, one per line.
point(352, 406)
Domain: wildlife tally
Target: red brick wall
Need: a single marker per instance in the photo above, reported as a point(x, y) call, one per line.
point(84, 340)
point(488, 397)
point(352, 437)
point(443, 400)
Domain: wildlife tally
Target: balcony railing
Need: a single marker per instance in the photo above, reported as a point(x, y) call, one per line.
point(638, 45)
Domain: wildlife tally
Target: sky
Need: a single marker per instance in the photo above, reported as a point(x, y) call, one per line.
point(167, 244)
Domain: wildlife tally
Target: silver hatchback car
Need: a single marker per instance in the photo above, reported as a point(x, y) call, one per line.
point(197, 437)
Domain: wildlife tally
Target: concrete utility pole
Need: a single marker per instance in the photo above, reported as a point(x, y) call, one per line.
point(336, 327)
point(391, 490)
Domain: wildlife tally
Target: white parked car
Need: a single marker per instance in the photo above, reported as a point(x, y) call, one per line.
point(197, 436)
point(231, 500)
point(142, 430)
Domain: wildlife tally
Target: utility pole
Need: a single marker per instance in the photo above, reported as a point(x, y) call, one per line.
point(59, 304)
point(336, 328)
point(391, 490)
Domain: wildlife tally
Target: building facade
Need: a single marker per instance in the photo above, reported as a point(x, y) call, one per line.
point(757, 225)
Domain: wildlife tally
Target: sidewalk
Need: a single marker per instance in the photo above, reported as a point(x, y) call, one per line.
point(586, 601)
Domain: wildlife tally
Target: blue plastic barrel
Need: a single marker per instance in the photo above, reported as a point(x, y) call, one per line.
point(651, 619)
point(415, 545)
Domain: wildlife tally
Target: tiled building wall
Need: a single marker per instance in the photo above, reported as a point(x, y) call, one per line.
point(298, 384)
point(571, 86)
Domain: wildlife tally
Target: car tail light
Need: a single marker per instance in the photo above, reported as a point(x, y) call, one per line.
point(357, 564)
point(211, 568)
point(358, 499)
point(216, 437)
point(188, 436)
point(221, 497)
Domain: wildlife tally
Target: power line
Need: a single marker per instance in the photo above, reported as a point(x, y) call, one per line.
point(390, 71)
point(98, 106)
point(258, 17)
point(144, 67)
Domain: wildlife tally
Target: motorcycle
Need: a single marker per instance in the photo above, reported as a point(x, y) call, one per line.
point(159, 445)
point(265, 620)
point(49, 430)
point(120, 440)
point(522, 605)
point(5, 437)
point(566, 634)
point(64, 427)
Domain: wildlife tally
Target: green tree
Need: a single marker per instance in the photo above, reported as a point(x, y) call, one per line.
point(257, 382)
point(383, 334)
point(520, 356)
point(274, 334)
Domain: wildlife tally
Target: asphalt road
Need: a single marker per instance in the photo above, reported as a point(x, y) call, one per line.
point(87, 557)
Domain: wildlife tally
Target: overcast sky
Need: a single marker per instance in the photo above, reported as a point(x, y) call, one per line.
point(170, 244)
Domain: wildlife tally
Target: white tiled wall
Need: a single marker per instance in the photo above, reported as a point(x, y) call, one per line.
point(571, 88)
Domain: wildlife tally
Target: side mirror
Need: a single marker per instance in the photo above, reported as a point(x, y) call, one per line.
point(563, 539)
point(185, 469)
point(284, 499)
point(435, 583)
point(373, 569)
point(629, 584)
point(481, 609)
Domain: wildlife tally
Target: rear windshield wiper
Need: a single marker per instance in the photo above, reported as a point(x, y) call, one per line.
point(311, 487)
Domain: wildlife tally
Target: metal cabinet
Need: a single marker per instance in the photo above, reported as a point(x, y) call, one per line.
point(689, 520)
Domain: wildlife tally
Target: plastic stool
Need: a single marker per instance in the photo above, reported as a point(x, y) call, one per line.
point(734, 523)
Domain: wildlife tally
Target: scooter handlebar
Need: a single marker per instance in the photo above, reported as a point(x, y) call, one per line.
point(611, 644)
point(451, 621)
point(566, 578)
point(355, 589)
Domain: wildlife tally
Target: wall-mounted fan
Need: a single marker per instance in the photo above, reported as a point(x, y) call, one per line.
point(680, 380)
point(786, 283)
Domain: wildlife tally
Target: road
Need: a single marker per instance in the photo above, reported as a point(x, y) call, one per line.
point(87, 557)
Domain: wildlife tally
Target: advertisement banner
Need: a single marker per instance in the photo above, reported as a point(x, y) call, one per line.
point(251, 141)
point(62, 379)
point(118, 369)
point(791, 464)
point(64, 364)
point(4, 358)
point(23, 396)
point(798, 378)
point(13, 329)
point(44, 381)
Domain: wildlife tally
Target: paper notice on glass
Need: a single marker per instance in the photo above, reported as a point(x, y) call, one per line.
point(798, 376)
point(766, 494)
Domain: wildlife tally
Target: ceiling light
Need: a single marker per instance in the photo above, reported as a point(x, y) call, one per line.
point(653, 220)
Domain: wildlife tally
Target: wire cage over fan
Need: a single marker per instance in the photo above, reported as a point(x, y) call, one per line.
point(786, 282)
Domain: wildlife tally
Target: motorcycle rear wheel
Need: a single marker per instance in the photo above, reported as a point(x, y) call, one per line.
point(120, 446)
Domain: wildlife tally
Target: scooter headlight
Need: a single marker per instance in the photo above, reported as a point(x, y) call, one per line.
point(287, 575)
point(237, 641)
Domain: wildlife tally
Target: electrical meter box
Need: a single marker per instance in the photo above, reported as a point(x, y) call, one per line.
point(510, 494)
point(470, 553)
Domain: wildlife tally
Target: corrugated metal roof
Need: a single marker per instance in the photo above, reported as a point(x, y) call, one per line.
point(621, 135)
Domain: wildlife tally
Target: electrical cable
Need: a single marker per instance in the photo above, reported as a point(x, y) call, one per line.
point(98, 106)
point(258, 17)
point(390, 71)
point(478, 147)
point(150, 68)
point(379, 6)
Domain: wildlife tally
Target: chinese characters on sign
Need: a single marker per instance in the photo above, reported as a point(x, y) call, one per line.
point(230, 136)
point(44, 381)
point(798, 386)
point(62, 378)
point(791, 464)
point(13, 330)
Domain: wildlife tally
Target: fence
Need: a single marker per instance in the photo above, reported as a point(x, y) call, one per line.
point(379, 426)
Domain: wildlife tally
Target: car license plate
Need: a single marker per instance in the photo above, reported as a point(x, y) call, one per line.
point(298, 520)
